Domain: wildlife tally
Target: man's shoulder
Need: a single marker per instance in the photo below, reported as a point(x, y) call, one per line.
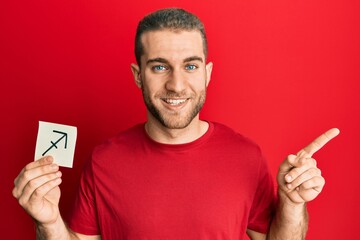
point(226, 131)
point(230, 136)
point(125, 138)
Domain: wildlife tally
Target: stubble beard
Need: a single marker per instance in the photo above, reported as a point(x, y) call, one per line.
point(174, 120)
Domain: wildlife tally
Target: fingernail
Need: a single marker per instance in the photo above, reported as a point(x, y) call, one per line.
point(288, 186)
point(54, 166)
point(288, 178)
point(58, 181)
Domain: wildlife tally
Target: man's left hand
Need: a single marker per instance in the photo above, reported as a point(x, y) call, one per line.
point(299, 178)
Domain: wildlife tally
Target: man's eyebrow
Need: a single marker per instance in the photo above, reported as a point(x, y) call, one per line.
point(157, 60)
point(163, 60)
point(193, 58)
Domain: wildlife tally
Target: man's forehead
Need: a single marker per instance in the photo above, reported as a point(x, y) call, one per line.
point(169, 32)
point(181, 42)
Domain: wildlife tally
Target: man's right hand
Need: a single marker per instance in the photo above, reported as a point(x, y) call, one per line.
point(37, 190)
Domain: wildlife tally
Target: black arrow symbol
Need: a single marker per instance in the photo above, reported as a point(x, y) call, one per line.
point(53, 144)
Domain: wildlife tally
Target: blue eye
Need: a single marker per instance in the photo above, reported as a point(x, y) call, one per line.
point(191, 67)
point(159, 68)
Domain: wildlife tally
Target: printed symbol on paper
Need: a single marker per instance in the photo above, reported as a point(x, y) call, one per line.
point(58, 141)
point(53, 144)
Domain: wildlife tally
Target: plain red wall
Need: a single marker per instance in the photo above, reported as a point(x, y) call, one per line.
point(284, 72)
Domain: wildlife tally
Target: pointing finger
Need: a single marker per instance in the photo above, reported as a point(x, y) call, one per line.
point(318, 143)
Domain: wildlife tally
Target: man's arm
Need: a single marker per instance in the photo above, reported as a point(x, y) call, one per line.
point(299, 181)
point(59, 230)
point(296, 225)
point(37, 190)
point(290, 222)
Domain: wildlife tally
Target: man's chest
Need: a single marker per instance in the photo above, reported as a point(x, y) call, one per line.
point(178, 197)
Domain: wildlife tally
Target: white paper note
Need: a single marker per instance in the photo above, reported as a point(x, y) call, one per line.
point(58, 141)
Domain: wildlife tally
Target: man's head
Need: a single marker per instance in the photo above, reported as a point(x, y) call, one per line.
point(174, 19)
point(172, 71)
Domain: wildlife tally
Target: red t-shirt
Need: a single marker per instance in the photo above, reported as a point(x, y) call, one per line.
point(213, 188)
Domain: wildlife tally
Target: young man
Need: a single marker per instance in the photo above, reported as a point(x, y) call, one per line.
point(176, 176)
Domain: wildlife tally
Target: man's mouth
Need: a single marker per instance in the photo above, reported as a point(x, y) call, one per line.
point(174, 102)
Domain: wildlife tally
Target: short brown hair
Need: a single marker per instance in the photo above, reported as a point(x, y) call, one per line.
point(169, 18)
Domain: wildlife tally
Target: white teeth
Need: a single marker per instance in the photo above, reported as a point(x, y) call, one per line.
point(174, 101)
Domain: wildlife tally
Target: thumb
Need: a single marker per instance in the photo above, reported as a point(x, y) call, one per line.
point(288, 164)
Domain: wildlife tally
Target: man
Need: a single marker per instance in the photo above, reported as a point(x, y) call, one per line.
point(176, 176)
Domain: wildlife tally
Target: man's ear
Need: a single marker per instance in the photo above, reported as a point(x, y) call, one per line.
point(136, 72)
point(208, 68)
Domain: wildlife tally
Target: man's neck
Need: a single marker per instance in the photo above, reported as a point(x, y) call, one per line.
point(162, 134)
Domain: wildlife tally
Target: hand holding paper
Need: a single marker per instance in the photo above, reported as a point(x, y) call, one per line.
point(37, 185)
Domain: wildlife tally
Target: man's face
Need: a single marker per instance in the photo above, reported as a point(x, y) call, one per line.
point(173, 76)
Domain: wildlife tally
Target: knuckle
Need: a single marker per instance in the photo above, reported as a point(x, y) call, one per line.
point(22, 202)
point(291, 157)
point(308, 163)
point(314, 162)
point(302, 161)
point(322, 180)
point(16, 180)
point(289, 162)
point(318, 185)
point(33, 184)
point(26, 176)
point(40, 191)
point(14, 193)
point(28, 166)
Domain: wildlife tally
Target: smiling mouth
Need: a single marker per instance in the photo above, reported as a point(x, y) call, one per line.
point(174, 102)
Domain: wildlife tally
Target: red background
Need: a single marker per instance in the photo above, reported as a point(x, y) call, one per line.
point(284, 72)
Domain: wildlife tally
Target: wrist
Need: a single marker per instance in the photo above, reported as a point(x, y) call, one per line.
point(290, 210)
point(283, 197)
point(290, 221)
point(55, 230)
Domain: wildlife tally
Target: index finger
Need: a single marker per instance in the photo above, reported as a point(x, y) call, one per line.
point(42, 161)
point(318, 143)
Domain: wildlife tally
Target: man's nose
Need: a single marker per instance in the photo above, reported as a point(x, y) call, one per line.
point(176, 82)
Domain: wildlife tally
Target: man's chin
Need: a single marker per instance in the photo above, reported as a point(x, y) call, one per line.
point(174, 119)
point(171, 124)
